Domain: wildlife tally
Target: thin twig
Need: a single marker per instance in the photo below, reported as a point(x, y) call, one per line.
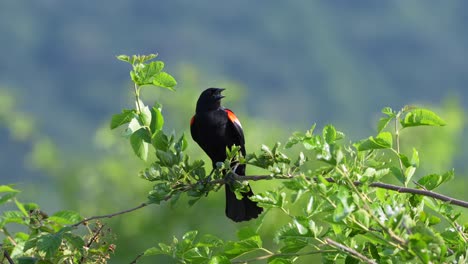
point(6, 255)
point(110, 215)
point(283, 255)
point(349, 250)
point(431, 194)
point(90, 242)
point(137, 258)
point(381, 185)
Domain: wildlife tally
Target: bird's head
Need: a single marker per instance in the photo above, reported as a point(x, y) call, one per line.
point(210, 99)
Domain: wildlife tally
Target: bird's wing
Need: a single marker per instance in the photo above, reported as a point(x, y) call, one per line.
point(235, 128)
point(193, 130)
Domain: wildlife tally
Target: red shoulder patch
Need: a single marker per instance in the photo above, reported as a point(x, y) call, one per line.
point(192, 120)
point(233, 117)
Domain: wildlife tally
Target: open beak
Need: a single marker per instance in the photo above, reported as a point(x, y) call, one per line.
point(219, 96)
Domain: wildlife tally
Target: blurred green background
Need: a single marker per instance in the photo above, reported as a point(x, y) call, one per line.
point(286, 65)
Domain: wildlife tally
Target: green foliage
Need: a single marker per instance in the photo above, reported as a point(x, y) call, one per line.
point(330, 196)
point(49, 239)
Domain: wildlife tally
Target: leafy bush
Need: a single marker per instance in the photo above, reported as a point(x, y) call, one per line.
point(332, 193)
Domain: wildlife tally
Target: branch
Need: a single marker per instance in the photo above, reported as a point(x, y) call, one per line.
point(6, 255)
point(283, 255)
point(238, 177)
point(137, 258)
point(349, 250)
point(427, 193)
point(110, 215)
point(381, 185)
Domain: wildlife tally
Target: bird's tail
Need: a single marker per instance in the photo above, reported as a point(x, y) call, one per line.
point(244, 209)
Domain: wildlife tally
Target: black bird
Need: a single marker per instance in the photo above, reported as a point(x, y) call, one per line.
point(214, 128)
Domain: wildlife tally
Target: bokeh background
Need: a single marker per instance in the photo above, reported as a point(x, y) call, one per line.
point(286, 65)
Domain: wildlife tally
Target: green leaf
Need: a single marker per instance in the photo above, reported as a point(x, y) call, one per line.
point(153, 251)
point(159, 193)
point(233, 249)
point(6, 197)
point(13, 217)
point(6, 188)
point(210, 241)
point(21, 208)
point(329, 134)
point(433, 181)
point(165, 80)
point(270, 199)
point(277, 260)
point(149, 72)
point(383, 123)
point(448, 176)
point(190, 236)
point(219, 260)
point(246, 232)
point(75, 240)
point(430, 181)
point(383, 140)
point(27, 260)
point(139, 141)
point(145, 116)
point(181, 144)
point(65, 217)
point(49, 244)
point(123, 118)
point(197, 255)
point(123, 58)
point(300, 228)
point(160, 141)
point(157, 120)
point(421, 117)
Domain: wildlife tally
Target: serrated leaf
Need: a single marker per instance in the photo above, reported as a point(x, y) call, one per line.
point(6, 197)
point(430, 181)
point(246, 232)
point(270, 199)
point(49, 244)
point(422, 117)
point(157, 120)
point(190, 236)
point(13, 217)
point(123, 118)
point(398, 174)
point(210, 241)
point(383, 140)
point(160, 141)
point(329, 134)
point(165, 80)
point(448, 176)
point(153, 251)
point(20, 206)
point(383, 123)
point(236, 248)
point(75, 240)
point(140, 142)
point(66, 217)
point(197, 255)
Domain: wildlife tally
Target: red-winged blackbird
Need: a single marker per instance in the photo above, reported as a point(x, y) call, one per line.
point(214, 128)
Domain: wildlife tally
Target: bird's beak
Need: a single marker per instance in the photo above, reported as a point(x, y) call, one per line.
point(219, 96)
